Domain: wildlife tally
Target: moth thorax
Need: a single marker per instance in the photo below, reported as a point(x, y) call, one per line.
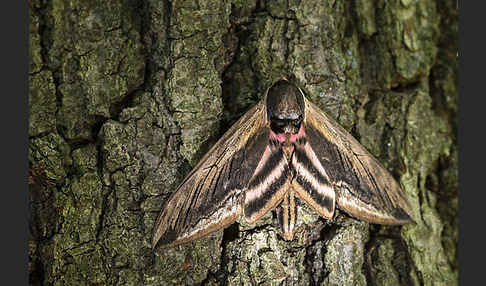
point(285, 108)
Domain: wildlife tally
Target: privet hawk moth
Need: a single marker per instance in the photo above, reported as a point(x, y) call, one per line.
point(282, 151)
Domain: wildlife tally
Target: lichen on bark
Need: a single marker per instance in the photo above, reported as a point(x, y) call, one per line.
point(126, 96)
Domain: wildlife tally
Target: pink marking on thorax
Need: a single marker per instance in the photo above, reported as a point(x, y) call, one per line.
point(290, 138)
point(280, 137)
point(301, 133)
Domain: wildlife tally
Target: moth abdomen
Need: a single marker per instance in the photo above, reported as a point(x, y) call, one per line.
point(287, 214)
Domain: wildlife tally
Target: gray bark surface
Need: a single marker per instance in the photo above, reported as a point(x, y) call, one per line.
point(126, 96)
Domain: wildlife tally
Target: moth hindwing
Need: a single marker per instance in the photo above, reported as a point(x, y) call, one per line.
point(282, 151)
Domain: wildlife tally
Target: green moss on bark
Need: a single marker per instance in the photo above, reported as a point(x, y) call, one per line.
point(96, 53)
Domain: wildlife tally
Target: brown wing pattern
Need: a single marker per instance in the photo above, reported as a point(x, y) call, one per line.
point(210, 197)
point(311, 182)
point(364, 188)
point(268, 184)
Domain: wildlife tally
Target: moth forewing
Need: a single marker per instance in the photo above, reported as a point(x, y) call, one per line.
point(210, 197)
point(223, 217)
point(364, 188)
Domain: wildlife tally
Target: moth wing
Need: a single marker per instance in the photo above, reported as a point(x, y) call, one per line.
point(210, 197)
point(268, 185)
point(363, 187)
point(312, 183)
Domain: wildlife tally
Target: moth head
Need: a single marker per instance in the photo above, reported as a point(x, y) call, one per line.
point(285, 107)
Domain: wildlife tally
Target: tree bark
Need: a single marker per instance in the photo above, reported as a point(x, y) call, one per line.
point(126, 96)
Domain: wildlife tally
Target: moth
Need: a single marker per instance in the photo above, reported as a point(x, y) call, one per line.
point(283, 151)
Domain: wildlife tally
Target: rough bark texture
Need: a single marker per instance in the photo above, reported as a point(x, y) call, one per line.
point(126, 96)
